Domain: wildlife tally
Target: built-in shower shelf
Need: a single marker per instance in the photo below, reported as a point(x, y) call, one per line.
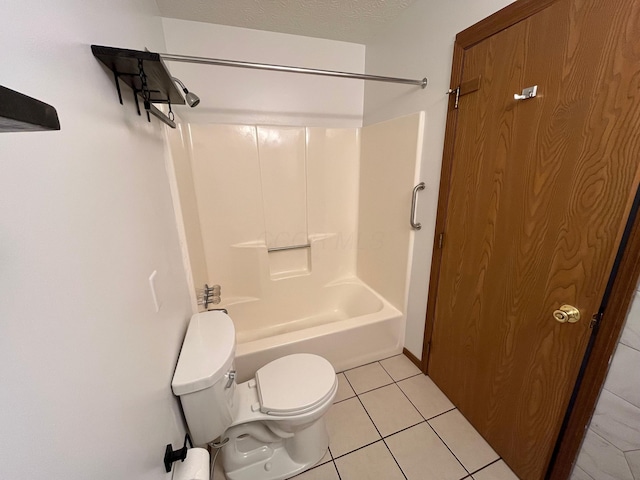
point(146, 74)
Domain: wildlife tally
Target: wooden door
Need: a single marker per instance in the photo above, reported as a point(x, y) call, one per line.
point(538, 196)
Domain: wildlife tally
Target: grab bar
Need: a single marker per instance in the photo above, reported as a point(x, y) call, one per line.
point(292, 247)
point(414, 203)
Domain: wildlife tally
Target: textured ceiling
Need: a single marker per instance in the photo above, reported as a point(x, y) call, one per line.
point(347, 20)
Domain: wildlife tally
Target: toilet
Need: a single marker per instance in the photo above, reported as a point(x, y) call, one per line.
point(274, 422)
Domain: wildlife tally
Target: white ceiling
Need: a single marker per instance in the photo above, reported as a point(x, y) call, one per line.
point(347, 20)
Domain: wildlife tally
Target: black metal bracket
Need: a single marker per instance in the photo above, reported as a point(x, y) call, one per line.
point(171, 455)
point(147, 76)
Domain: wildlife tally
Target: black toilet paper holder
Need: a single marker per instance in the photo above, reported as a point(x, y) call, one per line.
point(171, 455)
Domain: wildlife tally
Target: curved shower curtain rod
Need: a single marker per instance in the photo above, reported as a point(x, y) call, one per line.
point(282, 68)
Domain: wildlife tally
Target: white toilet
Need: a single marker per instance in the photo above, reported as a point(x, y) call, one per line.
point(274, 422)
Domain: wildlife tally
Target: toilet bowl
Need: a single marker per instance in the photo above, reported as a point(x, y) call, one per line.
point(274, 422)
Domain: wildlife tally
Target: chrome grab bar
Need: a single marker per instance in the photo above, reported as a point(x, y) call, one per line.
point(414, 203)
point(292, 247)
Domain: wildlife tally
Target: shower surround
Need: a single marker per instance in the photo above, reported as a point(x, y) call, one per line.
point(306, 229)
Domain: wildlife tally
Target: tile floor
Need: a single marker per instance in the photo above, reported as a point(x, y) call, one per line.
point(390, 422)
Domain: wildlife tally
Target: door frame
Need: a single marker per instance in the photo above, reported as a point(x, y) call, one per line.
point(596, 365)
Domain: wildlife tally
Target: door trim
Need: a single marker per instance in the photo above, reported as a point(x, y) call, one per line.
point(624, 284)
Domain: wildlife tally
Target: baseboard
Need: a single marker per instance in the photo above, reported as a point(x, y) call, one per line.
point(416, 361)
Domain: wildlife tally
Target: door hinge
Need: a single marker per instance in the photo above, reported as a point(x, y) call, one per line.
point(440, 240)
point(455, 91)
point(595, 319)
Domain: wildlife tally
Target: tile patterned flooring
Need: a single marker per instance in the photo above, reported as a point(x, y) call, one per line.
point(390, 422)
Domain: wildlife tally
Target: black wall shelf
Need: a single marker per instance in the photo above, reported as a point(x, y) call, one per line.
point(20, 113)
point(146, 74)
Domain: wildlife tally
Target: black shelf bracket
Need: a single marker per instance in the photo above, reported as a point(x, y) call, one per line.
point(146, 74)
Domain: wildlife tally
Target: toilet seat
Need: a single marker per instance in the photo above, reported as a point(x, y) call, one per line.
point(295, 384)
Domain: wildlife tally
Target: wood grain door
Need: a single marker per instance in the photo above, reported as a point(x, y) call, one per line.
point(539, 194)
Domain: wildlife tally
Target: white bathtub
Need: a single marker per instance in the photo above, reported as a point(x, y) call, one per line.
point(347, 323)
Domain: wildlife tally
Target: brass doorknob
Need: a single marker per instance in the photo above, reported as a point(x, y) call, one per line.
point(567, 314)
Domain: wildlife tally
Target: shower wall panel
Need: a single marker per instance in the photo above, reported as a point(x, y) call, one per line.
point(333, 164)
point(227, 184)
point(267, 187)
point(390, 156)
point(186, 204)
point(282, 154)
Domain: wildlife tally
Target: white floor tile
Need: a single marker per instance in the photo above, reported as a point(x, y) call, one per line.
point(368, 377)
point(631, 332)
point(327, 458)
point(390, 410)
point(633, 459)
point(425, 395)
point(344, 389)
point(624, 375)
point(323, 472)
point(463, 440)
point(370, 463)
point(579, 474)
point(495, 471)
point(423, 456)
point(617, 421)
point(399, 367)
point(601, 460)
point(349, 427)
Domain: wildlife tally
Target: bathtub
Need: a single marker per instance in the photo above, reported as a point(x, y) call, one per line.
point(348, 323)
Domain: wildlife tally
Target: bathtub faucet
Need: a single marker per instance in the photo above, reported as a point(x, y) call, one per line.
point(210, 295)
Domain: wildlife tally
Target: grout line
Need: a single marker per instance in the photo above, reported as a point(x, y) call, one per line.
point(336, 468)
point(604, 439)
point(425, 420)
point(624, 400)
point(394, 459)
point(623, 342)
point(344, 400)
point(377, 430)
point(400, 379)
point(387, 371)
point(414, 405)
point(411, 376)
point(440, 414)
point(376, 427)
point(356, 449)
point(365, 364)
point(373, 389)
point(365, 409)
point(445, 444)
point(587, 473)
point(487, 465)
point(406, 428)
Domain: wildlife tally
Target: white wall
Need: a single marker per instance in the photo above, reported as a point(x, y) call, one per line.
point(420, 43)
point(85, 217)
point(611, 448)
point(241, 96)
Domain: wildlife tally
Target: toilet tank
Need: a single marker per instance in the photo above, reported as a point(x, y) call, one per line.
point(202, 375)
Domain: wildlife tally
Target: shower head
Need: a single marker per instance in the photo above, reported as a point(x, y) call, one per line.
point(191, 98)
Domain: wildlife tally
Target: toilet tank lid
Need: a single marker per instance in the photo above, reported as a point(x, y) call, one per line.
point(207, 352)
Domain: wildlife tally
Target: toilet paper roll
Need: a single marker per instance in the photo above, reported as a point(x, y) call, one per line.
point(194, 467)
